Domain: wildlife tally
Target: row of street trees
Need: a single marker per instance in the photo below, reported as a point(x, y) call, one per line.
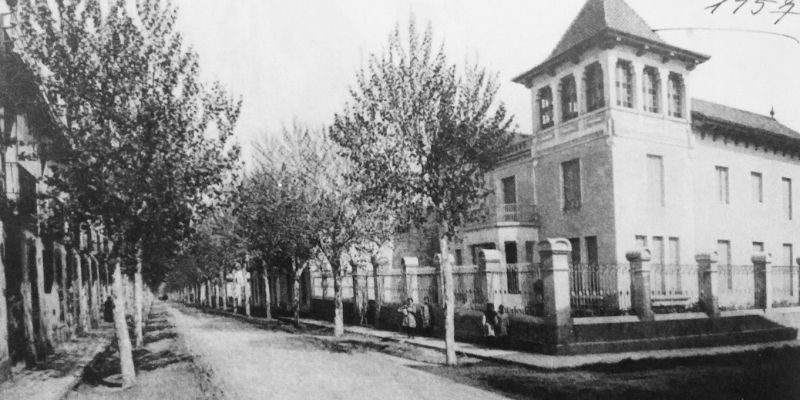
point(412, 146)
point(147, 142)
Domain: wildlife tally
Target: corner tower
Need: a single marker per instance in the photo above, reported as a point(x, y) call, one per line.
point(610, 95)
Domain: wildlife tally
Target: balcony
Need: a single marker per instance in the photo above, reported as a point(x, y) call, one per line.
point(504, 214)
point(20, 189)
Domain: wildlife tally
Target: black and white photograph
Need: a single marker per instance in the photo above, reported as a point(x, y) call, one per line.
point(399, 199)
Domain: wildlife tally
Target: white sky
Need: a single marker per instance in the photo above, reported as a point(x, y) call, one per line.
point(296, 59)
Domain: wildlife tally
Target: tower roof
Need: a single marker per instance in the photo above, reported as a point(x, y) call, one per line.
point(599, 15)
point(607, 23)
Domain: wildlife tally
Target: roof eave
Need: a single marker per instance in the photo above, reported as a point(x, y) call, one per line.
point(756, 134)
point(610, 38)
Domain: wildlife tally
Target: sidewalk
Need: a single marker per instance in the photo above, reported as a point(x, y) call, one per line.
point(62, 370)
point(533, 360)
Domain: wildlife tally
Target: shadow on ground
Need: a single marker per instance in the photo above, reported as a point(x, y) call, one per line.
point(159, 351)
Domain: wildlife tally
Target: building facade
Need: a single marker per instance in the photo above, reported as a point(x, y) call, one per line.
point(621, 156)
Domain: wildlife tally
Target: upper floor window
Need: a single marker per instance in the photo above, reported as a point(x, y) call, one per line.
point(757, 181)
point(723, 190)
point(569, 98)
point(655, 180)
point(675, 95)
point(650, 90)
point(571, 173)
point(595, 93)
point(545, 99)
point(787, 197)
point(509, 190)
point(624, 84)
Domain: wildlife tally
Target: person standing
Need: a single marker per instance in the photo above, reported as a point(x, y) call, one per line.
point(425, 317)
point(489, 323)
point(409, 323)
point(502, 326)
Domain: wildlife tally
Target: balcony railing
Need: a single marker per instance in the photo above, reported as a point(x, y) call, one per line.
point(492, 214)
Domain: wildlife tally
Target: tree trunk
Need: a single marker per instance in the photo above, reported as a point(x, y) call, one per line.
point(247, 293)
point(98, 298)
point(80, 298)
point(62, 258)
point(107, 291)
point(94, 323)
point(378, 287)
point(123, 340)
point(137, 298)
point(338, 311)
point(27, 304)
point(224, 289)
point(45, 341)
point(267, 295)
point(449, 303)
point(5, 361)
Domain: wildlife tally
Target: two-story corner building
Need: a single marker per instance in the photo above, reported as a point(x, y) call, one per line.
point(621, 157)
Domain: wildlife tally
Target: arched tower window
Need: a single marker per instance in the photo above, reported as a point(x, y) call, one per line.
point(675, 95)
point(595, 93)
point(624, 84)
point(651, 90)
point(545, 100)
point(569, 98)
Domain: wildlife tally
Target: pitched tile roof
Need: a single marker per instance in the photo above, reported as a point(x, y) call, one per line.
point(613, 20)
point(741, 118)
point(599, 15)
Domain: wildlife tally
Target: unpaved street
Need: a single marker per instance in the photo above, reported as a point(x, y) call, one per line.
point(246, 362)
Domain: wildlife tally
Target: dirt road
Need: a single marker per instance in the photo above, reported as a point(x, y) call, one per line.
point(246, 362)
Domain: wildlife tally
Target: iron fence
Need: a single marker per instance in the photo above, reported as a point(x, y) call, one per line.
point(599, 289)
point(784, 285)
point(736, 287)
point(674, 288)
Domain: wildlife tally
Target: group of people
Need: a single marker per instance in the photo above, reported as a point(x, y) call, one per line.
point(495, 325)
point(416, 318)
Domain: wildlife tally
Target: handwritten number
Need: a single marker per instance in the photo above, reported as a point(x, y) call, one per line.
point(761, 3)
point(785, 9)
point(740, 5)
point(716, 6)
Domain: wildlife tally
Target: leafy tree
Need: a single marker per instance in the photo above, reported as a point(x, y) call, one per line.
point(277, 206)
point(421, 135)
point(141, 159)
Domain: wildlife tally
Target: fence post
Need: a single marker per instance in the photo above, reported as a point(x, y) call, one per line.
point(640, 283)
point(708, 282)
point(492, 275)
point(410, 266)
point(553, 254)
point(762, 277)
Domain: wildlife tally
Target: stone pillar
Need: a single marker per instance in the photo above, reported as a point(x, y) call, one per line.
point(762, 278)
point(554, 254)
point(45, 340)
point(410, 266)
point(640, 283)
point(708, 282)
point(492, 275)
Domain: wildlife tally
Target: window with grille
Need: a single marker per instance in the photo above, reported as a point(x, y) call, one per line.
point(545, 99)
point(571, 173)
point(595, 95)
point(624, 84)
point(675, 95)
point(569, 98)
point(650, 90)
